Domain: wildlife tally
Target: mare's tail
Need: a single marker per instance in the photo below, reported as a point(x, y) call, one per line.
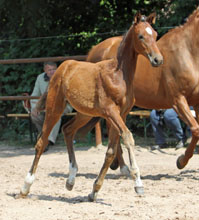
point(40, 106)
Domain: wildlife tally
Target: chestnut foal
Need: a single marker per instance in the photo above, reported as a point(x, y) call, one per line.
point(103, 89)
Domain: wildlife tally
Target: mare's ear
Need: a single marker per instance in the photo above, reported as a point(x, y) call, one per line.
point(137, 17)
point(151, 18)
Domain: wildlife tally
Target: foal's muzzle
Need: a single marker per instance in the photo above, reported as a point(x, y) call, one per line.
point(155, 59)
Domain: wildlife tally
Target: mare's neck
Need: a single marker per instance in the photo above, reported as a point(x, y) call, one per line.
point(183, 38)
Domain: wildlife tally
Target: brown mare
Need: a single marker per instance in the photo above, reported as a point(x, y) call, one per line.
point(103, 89)
point(175, 84)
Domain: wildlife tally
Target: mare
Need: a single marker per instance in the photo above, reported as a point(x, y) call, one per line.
point(175, 84)
point(102, 89)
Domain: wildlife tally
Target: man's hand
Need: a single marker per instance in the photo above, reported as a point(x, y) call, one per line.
point(35, 112)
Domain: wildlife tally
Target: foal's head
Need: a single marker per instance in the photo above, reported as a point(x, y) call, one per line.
point(144, 37)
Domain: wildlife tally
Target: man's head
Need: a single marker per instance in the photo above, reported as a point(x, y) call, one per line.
point(50, 68)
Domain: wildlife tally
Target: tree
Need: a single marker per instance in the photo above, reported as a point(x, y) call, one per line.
point(44, 28)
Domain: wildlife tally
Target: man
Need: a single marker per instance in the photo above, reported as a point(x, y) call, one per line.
point(40, 88)
point(169, 118)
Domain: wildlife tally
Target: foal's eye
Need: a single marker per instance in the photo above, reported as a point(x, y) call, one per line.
point(141, 37)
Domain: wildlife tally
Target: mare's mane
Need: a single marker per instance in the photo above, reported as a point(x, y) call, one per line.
point(189, 20)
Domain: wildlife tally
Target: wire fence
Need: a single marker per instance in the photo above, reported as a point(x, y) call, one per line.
point(74, 35)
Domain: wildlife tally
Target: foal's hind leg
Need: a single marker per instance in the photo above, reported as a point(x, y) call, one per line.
point(39, 148)
point(69, 131)
point(53, 114)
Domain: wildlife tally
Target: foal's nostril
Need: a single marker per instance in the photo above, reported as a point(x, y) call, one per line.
point(156, 61)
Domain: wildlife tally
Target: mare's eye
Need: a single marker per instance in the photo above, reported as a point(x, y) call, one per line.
point(141, 37)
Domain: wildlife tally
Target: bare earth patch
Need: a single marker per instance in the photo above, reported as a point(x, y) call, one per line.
point(169, 193)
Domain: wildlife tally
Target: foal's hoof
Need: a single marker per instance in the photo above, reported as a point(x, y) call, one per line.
point(20, 196)
point(115, 164)
point(139, 190)
point(69, 186)
point(92, 197)
point(179, 162)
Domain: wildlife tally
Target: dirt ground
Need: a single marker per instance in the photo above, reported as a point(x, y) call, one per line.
point(169, 193)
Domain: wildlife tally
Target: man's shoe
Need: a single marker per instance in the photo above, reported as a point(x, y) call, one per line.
point(160, 146)
point(179, 145)
point(155, 147)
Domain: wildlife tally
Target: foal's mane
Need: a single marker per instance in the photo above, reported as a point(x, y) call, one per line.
point(123, 43)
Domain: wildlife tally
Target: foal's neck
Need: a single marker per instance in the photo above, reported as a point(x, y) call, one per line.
point(127, 57)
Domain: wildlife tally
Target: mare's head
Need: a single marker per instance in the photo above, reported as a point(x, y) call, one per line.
point(144, 37)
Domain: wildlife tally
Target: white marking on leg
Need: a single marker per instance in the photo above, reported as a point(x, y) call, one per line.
point(148, 30)
point(27, 184)
point(72, 174)
point(138, 182)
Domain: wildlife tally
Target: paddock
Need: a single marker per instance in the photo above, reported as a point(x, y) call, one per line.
point(170, 194)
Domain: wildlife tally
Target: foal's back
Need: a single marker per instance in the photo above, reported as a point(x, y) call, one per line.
point(81, 82)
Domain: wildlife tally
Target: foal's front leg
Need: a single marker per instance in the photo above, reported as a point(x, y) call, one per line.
point(110, 154)
point(134, 169)
point(117, 126)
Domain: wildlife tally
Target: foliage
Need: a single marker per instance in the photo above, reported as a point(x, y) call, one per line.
point(47, 28)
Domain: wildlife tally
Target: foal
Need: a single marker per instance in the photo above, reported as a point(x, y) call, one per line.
point(103, 89)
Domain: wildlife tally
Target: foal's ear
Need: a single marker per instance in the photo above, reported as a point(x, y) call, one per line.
point(137, 17)
point(151, 18)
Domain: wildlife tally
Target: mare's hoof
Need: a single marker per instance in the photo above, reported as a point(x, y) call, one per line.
point(178, 162)
point(92, 197)
point(69, 186)
point(115, 164)
point(139, 190)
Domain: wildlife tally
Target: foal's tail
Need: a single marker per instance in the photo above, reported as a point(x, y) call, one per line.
point(40, 106)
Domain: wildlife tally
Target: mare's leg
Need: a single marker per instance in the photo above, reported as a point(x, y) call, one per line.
point(184, 112)
point(123, 167)
point(98, 134)
point(118, 127)
point(54, 110)
point(69, 130)
point(118, 160)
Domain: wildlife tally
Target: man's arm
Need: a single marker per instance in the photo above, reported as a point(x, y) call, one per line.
point(36, 92)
